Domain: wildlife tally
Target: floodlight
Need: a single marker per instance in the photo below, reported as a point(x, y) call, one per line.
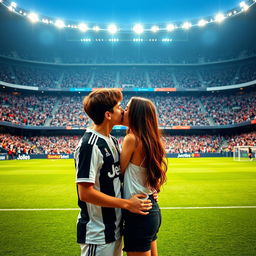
point(10, 8)
point(59, 24)
point(33, 17)
point(138, 29)
point(96, 28)
point(186, 25)
point(244, 6)
point(83, 27)
point(170, 27)
point(13, 4)
point(202, 23)
point(154, 29)
point(112, 29)
point(219, 17)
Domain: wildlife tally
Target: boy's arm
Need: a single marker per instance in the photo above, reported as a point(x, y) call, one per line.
point(88, 194)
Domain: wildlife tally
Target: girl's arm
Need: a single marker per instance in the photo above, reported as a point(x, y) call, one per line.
point(128, 148)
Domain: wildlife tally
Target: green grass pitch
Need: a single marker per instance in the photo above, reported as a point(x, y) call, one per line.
point(191, 183)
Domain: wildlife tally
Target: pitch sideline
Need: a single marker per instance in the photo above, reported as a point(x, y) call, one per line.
point(162, 208)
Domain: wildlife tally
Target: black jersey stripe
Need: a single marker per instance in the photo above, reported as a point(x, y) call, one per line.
point(107, 187)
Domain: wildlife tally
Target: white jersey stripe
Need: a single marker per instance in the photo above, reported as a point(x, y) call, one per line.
point(91, 138)
point(94, 139)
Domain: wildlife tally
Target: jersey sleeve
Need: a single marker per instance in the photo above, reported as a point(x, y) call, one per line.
point(88, 161)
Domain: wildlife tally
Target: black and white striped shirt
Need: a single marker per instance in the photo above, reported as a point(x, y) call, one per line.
point(97, 161)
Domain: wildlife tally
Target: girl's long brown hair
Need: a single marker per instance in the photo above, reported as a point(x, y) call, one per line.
point(144, 125)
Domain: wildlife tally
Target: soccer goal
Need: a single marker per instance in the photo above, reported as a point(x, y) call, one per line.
point(241, 153)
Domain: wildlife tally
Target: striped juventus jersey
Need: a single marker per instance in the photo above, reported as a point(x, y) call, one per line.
point(97, 161)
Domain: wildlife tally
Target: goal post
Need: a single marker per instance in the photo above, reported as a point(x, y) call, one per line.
point(241, 153)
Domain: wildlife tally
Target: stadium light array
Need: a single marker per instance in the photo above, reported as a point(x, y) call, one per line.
point(138, 28)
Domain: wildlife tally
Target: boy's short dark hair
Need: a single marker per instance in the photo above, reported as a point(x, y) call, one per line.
point(99, 101)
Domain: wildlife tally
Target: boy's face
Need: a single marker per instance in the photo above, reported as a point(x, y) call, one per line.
point(117, 115)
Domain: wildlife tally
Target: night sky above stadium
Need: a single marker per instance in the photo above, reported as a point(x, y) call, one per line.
point(128, 12)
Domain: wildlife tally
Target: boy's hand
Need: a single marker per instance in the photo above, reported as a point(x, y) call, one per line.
point(139, 206)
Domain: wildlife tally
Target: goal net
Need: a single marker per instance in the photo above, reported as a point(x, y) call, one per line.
point(242, 153)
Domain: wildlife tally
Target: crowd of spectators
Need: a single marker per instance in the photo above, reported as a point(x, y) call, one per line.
point(104, 78)
point(15, 145)
point(193, 144)
point(219, 76)
point(31, 76)
point(76, 79)
point(133, 77)
point(162, 56)
point(121, 76)
point(55, 144)
point(6, 74)
point(245, 139)
point(172, 110)
point(230, 109)
point(188, 79)
point(161, 78)
point(70, 113)
point(180, 111)
point(26, 109)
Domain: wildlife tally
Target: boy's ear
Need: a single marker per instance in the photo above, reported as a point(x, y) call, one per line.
point(108, 115)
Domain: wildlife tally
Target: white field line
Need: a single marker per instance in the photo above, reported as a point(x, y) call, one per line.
point(162, 208)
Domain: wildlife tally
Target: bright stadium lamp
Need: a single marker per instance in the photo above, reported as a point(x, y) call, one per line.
point(244, 6)
point(202, 23)
point(96, 28)
point(138, 29)
point(83, 27)
point(13, 4)
point(112, 29)
point(59, 24)
point(154, 29)
point(33, 17)
point(219, 17)
point(186, 25)
point(170, 27)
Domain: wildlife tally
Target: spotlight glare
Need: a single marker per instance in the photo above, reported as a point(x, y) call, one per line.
point(242, 4)
point(13, 4)
point(33, 17)
point(112, 29)
point(59, 24)
point(10, 8)
point(186, 25)
point(154, 29)
point(96, 28)
point(219, 17)
point(138, 29)
point(170, 27)
point(202, 23)
point(83, 27)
